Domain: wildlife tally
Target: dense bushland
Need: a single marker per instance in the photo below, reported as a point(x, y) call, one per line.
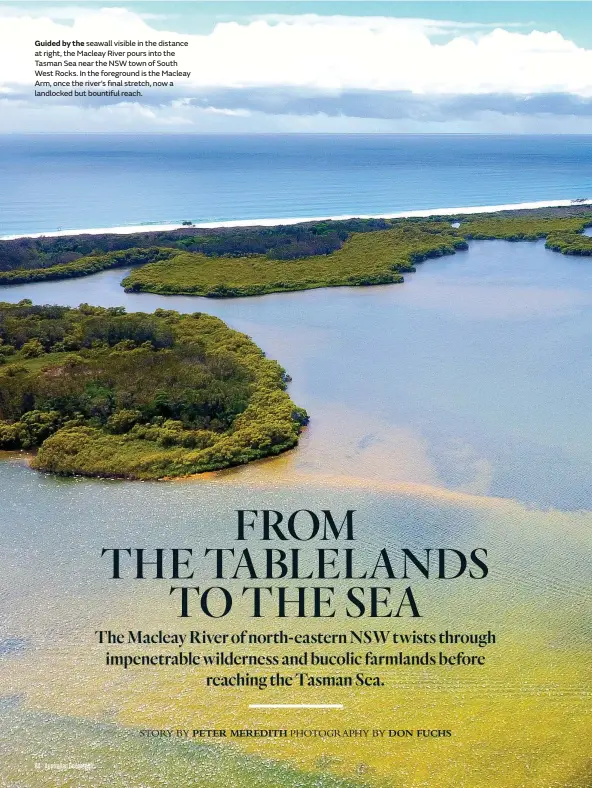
point(570, 243)
point(375, 258)
point(101, 392)
point(527, 228)
point(85, 266)
point(282, 242)
point(230, 262)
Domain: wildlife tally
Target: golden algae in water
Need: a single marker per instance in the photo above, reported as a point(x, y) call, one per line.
point(527, 702)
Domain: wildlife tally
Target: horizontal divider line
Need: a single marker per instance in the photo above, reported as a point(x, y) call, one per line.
point(295, 705)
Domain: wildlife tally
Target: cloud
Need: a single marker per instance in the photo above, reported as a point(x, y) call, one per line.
point(431, 27)
point(183, 116)
point(378, 68)
point(233, 113)
point(394, 105)
point(69, 13)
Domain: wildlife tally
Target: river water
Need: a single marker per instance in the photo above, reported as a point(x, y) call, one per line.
point(450, 411)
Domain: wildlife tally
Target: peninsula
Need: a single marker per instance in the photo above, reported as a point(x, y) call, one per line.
point(99, 392)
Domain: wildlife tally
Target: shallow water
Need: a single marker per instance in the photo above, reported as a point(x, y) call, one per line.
point(451, 411)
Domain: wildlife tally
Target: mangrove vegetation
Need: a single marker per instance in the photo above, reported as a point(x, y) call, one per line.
point(570, 243)
point(375, 258)
point(230, 262)
point(99, 392)
point(85, 266)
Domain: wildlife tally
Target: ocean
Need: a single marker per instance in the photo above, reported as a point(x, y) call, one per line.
point(51, 182)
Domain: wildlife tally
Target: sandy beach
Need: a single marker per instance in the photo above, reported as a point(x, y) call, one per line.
point(274, 222)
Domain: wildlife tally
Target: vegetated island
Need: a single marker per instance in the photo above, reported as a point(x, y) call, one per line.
point(99, 392)
point(232, 262)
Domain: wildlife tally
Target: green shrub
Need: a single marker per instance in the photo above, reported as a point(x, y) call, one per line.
point(32, 349)
point(570, 243)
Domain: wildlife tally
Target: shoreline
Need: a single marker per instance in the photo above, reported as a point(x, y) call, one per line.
point(275, 222)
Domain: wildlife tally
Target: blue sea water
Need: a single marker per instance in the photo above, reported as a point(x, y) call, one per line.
point(76, 181)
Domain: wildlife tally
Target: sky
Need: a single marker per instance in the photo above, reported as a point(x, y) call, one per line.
point(320, 67)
